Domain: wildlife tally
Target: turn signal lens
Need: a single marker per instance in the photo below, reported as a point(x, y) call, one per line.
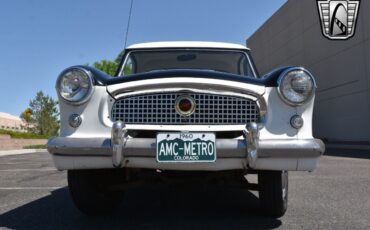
point(75, 120)
point(296, 122)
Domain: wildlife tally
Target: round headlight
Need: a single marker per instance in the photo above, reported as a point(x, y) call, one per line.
point(75, 85)
point(296, 86)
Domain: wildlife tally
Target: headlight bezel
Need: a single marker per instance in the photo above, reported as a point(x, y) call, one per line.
point(280, 83)
point(90, 90)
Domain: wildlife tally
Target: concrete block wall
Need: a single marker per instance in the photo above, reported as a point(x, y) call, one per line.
point(292, 36)
point(4, 137)
point(10, 144)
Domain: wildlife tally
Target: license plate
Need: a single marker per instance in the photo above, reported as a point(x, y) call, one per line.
point(186, 147)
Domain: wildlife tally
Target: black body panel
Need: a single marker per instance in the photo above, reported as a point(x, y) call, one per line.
point(269, 80)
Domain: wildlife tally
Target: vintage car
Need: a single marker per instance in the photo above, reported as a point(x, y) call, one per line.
point(194, 112)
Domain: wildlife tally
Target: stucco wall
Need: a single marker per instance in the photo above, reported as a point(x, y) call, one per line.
point(292, 36)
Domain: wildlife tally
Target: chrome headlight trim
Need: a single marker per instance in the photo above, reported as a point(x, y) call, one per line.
point(89, 92)
point(281, 79)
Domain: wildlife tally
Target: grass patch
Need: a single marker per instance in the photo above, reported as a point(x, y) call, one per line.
point(35, 147)
point(20, 135)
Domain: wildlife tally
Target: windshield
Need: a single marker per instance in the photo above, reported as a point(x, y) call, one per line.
point(235, 62)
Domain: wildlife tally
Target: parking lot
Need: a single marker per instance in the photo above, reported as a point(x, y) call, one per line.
point(33, 195)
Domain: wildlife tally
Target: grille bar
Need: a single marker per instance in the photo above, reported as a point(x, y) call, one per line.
point(159, 109)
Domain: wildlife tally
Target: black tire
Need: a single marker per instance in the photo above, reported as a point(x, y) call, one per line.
point(92, 192)
point(273, 192)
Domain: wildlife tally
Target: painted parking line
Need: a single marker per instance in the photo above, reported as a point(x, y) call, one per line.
point(20, 163)
point(29, 170)
point(30, 188)
point(21, 151)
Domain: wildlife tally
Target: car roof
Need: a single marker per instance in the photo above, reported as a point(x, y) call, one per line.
point(187, 44)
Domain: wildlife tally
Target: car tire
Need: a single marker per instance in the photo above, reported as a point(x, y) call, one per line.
point(92, 191)
point(273, 192)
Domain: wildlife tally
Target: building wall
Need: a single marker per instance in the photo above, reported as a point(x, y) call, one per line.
point(292, 36)
point(9, 122)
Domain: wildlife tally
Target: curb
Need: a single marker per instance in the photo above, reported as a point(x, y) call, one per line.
point(20, 151)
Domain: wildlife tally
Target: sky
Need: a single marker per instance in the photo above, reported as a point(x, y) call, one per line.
point(40, 38)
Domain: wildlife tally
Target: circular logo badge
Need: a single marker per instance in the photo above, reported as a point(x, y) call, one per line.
point(185, 105)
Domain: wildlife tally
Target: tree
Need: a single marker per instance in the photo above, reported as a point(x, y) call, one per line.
point(44, 115)
point(109, 67)
point(26, 117)
point(120, 56)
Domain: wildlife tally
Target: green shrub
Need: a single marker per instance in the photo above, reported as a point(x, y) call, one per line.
point(35, 147)
point(20, 135)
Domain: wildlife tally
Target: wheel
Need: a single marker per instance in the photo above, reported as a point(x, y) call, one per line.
point(273, 192)
point(92, 192)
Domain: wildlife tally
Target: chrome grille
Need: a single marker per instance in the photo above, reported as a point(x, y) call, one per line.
point(159, 109)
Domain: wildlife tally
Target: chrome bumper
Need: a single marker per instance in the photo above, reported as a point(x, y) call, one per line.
point(120, 146)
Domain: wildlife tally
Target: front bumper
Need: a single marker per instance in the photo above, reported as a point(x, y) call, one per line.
point(122, 151)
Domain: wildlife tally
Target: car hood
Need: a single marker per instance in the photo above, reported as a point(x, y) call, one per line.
point(167, 80)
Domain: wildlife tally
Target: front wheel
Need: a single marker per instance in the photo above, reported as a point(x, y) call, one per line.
point(93, 191)
point(273, 192)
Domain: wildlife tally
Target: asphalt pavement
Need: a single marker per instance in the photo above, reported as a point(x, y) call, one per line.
point(33, 195)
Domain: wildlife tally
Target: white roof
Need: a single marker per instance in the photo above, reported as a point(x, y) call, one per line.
point(9, 116)
point(187, 44)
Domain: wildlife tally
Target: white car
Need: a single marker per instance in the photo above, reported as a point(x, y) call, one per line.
point(197, 111)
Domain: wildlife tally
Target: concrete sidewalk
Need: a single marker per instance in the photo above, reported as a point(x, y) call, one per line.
point(20, 151)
